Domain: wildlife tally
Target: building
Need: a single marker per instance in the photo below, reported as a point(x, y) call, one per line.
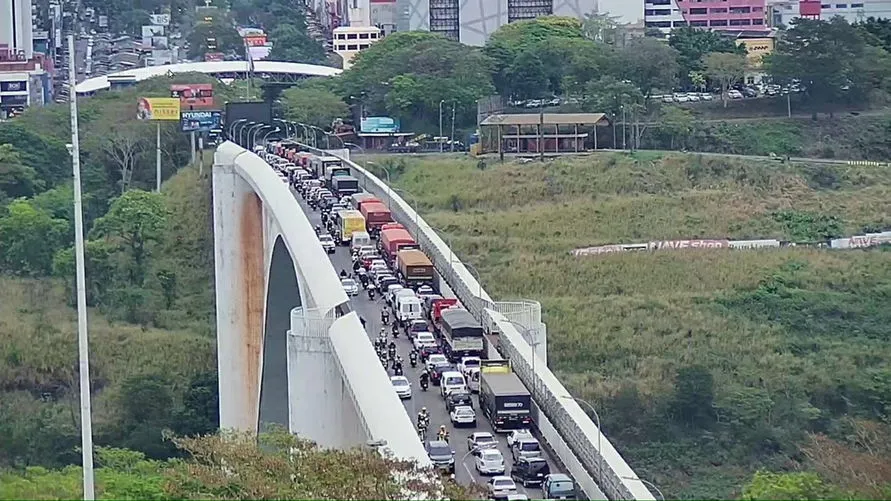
point(25, 74)
point(756, 49)
point(350, 40)
point(16, 28)
point(782, 12)
point(722, 15)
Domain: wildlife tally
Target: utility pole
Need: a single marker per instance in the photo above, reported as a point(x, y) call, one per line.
point(86, 414)
point(440, 124)
point(452, 137)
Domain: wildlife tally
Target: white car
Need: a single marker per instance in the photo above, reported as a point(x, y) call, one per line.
point(463, 415)
point(489, 462)
point(518, 434)
point(435, 358)
point(378, 269)
point(402, 386)
point(481, 440)
point(467, 363)
point(350, 286)
point(500, 487)
point(327, 242)
point(391, 293)
point(425, 340)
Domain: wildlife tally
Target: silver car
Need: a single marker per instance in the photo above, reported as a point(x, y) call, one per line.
point(350, 286)
point(489, 462)
point(525, 447)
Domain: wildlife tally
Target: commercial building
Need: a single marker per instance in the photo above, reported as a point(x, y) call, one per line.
point(782, 12)
point(350, 40)
point(756, 49)
point(721, 15)
point(470, 22)
point(25, 74)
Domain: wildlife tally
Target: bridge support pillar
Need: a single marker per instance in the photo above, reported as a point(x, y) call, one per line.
point(315, 386)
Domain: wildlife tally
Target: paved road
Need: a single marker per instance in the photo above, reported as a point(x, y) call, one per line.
point(370, 311)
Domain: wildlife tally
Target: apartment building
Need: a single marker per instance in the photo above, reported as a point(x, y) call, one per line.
point(782, 12)
point(722, 15)
point(350, 40)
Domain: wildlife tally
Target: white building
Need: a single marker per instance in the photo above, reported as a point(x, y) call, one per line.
point(784, 11)
point(16, 30)
point(350, 40)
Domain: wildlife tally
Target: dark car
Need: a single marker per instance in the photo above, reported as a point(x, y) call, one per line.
point(441, 455)
point(437, 370)
point(417, 326)
point(558, 486)
point(456, 398)
point(386, 283)
point(530, 471)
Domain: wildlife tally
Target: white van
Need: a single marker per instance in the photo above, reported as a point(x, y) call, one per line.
point(452, 381)
point(360, 238)
point(408, 307)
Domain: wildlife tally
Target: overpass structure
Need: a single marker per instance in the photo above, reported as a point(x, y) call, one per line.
point(268, 260)
point(270, 70)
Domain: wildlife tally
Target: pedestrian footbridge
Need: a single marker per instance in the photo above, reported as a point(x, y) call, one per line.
point(292, 352)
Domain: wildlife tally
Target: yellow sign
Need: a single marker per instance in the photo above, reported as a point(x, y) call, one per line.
point(158, 108)
point(757, 48)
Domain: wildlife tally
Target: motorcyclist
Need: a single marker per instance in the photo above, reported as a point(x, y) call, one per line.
point(363, 322)
point(391, 351)
point(425, 380)
point(343, 273)
point(397, 369)
point(395, 330)
point(385, 316)
point(383, 334)
point(318, 230)
point(423, 418)
point(413, 358)
point(371, 292)
point(443, 434)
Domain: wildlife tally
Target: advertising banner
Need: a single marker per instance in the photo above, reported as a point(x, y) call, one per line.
point(690, 244)
point(372, 125)
point(193, 95)
point(201, 121)
point(255, 40)
point(103, 21)
point(14, 86)
point(214, 56)
point(161, 19)
point(157, 108)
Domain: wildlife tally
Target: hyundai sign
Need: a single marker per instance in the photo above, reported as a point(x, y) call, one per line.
point(200, 121)
point(377, 125)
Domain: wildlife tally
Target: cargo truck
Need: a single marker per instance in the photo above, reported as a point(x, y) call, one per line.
point(350, 222)
point(415, 268)
point(462, 335)
point(376, 215)
point(332, 171)
point(345, 185)
point(319, 165)
point(504, 400)
point(393, 241)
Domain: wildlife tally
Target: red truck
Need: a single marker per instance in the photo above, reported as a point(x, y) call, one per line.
point(436, 308)
point(376, 215)
point(392, 226)
point(395, 240)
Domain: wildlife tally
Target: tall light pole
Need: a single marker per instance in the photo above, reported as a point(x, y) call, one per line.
point(452, 136)
point(599, 432)
point(250, 132)
point(231, 130)
point(253, 137)
point(86, 417)
point(440, 124)
point(266, 135)
point(247, 125)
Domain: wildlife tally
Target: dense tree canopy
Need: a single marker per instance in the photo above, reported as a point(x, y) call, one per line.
point(693, 44)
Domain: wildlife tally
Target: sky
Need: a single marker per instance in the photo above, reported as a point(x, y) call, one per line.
point(630, 11)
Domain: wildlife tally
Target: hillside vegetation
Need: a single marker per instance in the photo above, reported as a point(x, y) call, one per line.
point(705, 365)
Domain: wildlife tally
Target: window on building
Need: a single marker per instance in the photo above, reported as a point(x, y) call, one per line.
point(341, 36)
point(757, 21)
point(718, 22)
point(740, 10)
point(856, 5)
point(352, 47)
point(740, 22)
point(363, 36)
point(698, 24)
point(352, 36)
point(659, 2)
point(374, 36)
point(841, 6)
point(679, 24)
point(658, 24)
point(698, 11)
point(363, 46)
point(826, 6)
point(719, 10)
point(341, 47)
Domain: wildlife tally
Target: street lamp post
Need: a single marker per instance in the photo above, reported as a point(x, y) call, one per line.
point(266, 135)
point(86, 417)
point(244, 127)
point(599, 433)
point(248, 138)
point(231, 130)
point(649, 484)
point(440, 124)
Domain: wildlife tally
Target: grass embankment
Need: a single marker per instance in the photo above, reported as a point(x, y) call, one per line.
point(38, 348)
point(706, 365)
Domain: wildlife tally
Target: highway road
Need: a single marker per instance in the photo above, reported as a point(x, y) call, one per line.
point(370, 310)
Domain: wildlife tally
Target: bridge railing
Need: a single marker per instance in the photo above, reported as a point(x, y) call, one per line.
point(590, 447)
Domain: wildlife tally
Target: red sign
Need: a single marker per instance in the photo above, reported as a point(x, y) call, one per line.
point(691, 244)
point(214, 56)
point(193, 95)
point(255, 40)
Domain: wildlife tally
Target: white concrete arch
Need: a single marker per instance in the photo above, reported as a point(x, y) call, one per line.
point(288, 349)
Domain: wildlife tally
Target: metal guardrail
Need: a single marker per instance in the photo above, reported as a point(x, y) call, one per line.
point(614, 476)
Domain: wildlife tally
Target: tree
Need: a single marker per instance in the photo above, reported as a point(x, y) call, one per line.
point(787, 486)
point(28, 239)
point(694, 395)
point(727, 68)
point(825, 57)
point(16, 180)
point(123, 144)
point(527, 76)
point(135, 219)
point(609, 95)
point(649, 64)
point(313, 106)
point(677, 122)
point(601, 27)
point(293, 44)
point(222, 31)
point(283, 466)
point(693, 44)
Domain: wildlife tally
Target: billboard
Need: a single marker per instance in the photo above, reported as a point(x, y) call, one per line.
point(200, 121)
point(377, 125)
point(259, 112)
point(193, 95)
point(150, 30)
point(157, 108)
point(255, 40)
point(103, 21)
point(161, 19)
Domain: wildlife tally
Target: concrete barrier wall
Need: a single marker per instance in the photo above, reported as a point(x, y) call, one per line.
point(568, 422)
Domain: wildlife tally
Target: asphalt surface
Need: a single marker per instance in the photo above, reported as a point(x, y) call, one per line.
point(465, 471)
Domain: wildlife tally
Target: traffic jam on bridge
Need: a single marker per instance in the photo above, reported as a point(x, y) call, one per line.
point(474, 416)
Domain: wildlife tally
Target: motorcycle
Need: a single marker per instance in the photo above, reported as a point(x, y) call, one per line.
point(385, 318)
point(413, 359)
point(424, 384)
point(397, 371)
point(371, 294)
point(422, 433)
point(395, 331)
